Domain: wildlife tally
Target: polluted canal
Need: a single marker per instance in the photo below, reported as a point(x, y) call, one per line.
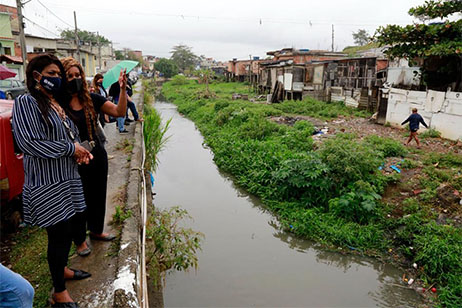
point(245, 259)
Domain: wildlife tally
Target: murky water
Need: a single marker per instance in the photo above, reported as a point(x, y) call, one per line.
point(246, 260)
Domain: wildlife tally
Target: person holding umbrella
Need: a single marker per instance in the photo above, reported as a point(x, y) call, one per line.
point(83, 108)
point(115, 91)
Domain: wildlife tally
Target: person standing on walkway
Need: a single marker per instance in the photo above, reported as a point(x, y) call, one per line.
point(115, 92)
point(83, 109)
point(414, 119)
point(52, 193)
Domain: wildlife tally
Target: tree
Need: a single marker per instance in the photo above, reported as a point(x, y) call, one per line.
point(438, 44)
point(167, 67)
point(183, 57)
point(361, 37)
point(85, 36)
point(119, 55)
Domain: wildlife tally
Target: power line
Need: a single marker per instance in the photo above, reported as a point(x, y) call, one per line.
point(256, 20)
point(41, 27)
point(53, 13)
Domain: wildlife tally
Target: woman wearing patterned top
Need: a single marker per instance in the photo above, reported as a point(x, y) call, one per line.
point(52, 194)
point(83, 109)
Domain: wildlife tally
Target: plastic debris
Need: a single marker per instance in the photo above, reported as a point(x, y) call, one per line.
point(420, 289)
point(414, 265)
point(433, 290)
point(395, 168)
point(410, 281)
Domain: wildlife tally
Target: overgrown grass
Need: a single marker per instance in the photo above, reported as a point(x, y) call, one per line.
point(29, 258)
point(330, 194)
point(154, 131)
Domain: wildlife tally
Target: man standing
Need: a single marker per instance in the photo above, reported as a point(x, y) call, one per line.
point(414, 119)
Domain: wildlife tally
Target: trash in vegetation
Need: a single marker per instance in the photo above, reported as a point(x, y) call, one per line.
point(416, 191)
point(240, 96)
point(395, 168)
point(420, 289)
point(433, 290)
point(414, 265)
point(410, 281)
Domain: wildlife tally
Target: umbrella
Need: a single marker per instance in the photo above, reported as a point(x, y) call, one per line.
point(6, 73)
point(113, 74)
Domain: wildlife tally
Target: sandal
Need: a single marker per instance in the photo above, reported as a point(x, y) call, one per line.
point(84, 252)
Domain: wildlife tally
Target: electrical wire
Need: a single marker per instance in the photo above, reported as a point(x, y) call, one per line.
point(256, 20)
point(41, 27)
point(54, 14)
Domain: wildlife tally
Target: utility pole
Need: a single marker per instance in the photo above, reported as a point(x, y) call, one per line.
point(332, 37)
point(250, 72)
point(99, 50)
point(22, 38)
point(77, 41)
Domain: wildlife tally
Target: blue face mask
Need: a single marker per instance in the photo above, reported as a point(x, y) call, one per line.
point(51, 84)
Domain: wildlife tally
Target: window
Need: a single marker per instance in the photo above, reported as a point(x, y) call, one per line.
point(83, 62)
point(7, 51)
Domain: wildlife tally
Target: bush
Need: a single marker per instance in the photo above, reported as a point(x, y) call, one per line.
point(430, 133)
point(303, 178)
point(299, 138)
point(179, 80)
point(349, 161)
point(358, 205)
point(388, 146)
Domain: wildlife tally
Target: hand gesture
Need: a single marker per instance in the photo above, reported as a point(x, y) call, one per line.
point(123, 79)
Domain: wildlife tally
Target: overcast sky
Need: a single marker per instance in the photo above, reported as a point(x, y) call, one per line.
point(219, 29)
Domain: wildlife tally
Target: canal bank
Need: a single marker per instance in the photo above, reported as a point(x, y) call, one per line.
point(247, 260)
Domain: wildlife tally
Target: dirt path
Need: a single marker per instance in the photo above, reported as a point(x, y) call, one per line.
point(97, 291)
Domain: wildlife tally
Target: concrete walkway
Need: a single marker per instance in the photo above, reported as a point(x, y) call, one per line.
point(102, 263)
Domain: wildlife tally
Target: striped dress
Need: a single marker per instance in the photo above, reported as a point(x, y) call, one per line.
point(52, 188)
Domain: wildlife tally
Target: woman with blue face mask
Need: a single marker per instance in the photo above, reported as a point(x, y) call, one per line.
point(52, 193)
point(84, 108)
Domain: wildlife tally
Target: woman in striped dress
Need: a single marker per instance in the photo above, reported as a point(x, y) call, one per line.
point(52, 195)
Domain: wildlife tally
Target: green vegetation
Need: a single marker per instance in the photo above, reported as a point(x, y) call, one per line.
point(29, 258)
point(328, 191)
point(154, 131)
point(169, 245)
point(166, 67)
point(430, 133)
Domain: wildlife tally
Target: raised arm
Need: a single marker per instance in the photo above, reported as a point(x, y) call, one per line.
point(118, 110)
point(30, 133)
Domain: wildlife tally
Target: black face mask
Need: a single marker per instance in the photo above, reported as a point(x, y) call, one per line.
point(75, 85)
point(99, 84)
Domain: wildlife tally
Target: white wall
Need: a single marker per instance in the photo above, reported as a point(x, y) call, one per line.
point(441, 110)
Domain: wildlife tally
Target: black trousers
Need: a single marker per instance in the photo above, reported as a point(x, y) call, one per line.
point(94, 182)
point(60, 237)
